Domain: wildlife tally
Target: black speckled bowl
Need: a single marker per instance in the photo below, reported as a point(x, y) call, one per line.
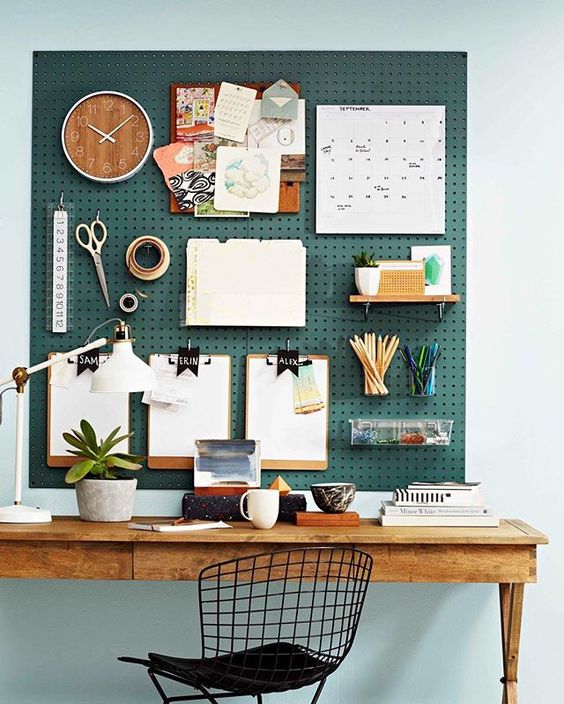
point(333, 498)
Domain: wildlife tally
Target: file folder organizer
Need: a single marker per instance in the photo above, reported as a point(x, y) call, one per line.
point(246, 282)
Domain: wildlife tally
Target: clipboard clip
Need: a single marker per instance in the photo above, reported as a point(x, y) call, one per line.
point(173, 358)
point(103, 356)
point(303, 360)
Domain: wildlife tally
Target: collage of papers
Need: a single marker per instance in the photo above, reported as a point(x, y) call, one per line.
point(232, 148)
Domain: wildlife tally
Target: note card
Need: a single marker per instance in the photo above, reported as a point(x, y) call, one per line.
point(233, 111)
point(380, 169)
point(247, 180)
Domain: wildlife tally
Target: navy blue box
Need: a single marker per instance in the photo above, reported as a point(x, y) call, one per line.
point(226, 508)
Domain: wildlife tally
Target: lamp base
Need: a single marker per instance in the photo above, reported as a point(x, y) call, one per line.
point(24, 514)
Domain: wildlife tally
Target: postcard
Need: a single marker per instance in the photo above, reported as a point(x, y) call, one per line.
point(233, 111)
point(247, 180)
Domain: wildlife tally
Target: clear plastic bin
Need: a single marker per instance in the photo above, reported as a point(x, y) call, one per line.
point(400, 432)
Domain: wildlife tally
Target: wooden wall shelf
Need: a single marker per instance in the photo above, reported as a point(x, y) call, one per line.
point(439, 301)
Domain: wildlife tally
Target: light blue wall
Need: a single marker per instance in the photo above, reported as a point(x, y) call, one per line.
point(425, 644)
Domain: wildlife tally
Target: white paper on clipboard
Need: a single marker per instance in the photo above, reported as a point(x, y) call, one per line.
point(207, 414)
point(288, 440)
point(67, 406)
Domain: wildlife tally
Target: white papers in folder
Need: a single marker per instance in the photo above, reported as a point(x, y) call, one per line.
point(246, 282)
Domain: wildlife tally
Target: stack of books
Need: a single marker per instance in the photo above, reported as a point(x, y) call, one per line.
point(438, 504)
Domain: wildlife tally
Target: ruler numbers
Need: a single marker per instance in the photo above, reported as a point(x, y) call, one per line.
point(60, 271)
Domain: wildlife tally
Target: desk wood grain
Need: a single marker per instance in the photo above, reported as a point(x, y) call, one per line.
point(70, 528)
point(73, 549)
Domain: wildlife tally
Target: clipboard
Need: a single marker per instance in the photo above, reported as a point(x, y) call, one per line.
point(171, 435)
point(289, 190)
point(67, 406)
point(288, 440)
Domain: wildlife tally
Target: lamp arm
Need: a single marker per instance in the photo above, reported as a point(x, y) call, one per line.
point(50, 362)
point(73, 353)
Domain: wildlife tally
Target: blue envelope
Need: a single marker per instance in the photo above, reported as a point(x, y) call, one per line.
point(280, 101)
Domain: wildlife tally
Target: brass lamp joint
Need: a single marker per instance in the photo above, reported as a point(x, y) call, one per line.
point(122, 333)
point(20, 377)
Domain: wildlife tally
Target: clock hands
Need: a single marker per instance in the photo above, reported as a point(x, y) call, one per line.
point(109, 136)
point(103, 134)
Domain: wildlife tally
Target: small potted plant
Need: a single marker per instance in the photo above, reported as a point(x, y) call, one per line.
point(102, 495)
point(366, 274)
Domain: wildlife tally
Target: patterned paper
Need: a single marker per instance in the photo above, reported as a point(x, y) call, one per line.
point(192, 188)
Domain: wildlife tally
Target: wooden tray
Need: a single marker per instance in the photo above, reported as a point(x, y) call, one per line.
point(314, 518)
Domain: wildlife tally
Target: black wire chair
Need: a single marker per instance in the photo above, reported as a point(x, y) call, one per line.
point(270, 623)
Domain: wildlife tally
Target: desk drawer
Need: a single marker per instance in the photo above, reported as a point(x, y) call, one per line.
point(65, 560)
point(392, 563)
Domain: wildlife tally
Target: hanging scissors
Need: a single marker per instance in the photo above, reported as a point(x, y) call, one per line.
point(94, 246)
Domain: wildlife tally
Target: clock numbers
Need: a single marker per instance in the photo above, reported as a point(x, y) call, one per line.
point(107, 136)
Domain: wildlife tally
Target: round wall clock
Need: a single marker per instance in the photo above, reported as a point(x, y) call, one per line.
point(107, 136)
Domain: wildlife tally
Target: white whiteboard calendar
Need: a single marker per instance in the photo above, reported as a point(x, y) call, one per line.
point(380, 169)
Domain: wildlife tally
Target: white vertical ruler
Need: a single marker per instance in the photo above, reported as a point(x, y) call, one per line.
point(60, 271)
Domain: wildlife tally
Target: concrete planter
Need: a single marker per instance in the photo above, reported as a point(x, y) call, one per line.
point(367, 280)
point(107, 500)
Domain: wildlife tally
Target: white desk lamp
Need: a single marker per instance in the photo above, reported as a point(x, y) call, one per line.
point(122, 372)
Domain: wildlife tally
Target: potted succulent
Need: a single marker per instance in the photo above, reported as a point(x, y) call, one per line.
point(102, 494)
point(366, 274)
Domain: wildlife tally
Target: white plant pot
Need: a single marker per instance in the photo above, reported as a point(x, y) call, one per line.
point(367, 279)
point(106, 500)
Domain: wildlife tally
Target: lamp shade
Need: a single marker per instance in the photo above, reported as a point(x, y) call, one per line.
point(124, 371)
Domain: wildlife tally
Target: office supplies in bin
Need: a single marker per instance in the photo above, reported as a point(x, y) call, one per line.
point(400, 432)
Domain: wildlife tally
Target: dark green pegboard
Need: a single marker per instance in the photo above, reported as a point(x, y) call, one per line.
point(140, 206)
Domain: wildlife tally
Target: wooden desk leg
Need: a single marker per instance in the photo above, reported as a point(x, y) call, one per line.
point(511, 608)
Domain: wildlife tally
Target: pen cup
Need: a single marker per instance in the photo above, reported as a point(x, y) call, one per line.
point(422, 385)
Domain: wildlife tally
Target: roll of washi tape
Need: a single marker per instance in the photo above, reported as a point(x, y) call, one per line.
point(129, 302)
point(142, 272)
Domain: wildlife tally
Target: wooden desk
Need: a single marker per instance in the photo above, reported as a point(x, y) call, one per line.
point(71, 549)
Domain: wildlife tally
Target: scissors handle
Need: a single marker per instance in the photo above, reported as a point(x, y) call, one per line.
point(93, 243)
point(81, 242)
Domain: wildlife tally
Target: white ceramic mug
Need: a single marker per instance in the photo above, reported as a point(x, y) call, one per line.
point(262, 507)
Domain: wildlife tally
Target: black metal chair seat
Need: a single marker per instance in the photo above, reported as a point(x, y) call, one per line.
point(270, 623)
point(275, 667)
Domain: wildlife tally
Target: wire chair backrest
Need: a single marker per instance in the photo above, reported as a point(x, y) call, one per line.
point(308, 597)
